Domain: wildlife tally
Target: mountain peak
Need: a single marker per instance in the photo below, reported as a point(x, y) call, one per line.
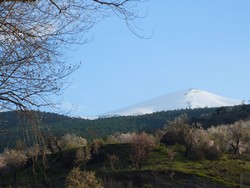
point(191, 98)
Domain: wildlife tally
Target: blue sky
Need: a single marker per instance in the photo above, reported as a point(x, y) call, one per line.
point(202, 44)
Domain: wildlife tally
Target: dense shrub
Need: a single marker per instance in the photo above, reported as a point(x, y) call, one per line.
point(205, 152)
point(197, 154)
point(212, 153)
point(82, 179)
point(247, 151)
point(170, 138)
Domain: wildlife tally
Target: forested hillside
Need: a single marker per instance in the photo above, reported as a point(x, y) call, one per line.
point(11, 127)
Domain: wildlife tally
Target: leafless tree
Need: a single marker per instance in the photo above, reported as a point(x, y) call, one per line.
point(34, 36)
point(192, 137)
point(142, 143)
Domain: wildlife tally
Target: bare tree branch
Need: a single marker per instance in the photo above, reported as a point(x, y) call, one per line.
point(116, 4)
point(34, 37)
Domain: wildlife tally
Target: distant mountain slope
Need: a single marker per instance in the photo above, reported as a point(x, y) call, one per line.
point(187, 99)
point(55, 124)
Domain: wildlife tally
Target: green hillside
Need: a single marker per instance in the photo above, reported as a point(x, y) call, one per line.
point(134, 151)
point(157, 171)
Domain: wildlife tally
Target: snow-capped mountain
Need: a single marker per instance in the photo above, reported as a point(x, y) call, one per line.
point(192, 98)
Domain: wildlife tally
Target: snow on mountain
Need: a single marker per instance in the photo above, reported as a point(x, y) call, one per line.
point(192, 98)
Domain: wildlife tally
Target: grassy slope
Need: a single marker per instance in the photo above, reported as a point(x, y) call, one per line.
point(157, 170)
point(225, 171)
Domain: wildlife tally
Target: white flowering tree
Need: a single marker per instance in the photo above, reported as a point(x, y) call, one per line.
point(179, 131)
point(220, 136)
point(13, 160)
point(70, 141)
point(239, 136)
